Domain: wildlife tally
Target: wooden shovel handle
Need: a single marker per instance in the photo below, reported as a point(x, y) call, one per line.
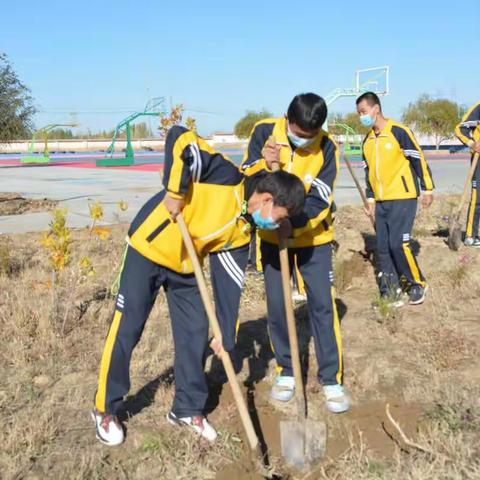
point(224, 355)
point(291, 325)
point(360, 190)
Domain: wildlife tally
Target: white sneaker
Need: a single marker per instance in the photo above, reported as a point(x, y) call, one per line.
point(472, 242)
point(336, 399)
point(109, 430)
point(198, 423)
point(283, 389)
point(394, 299)
point(298, 297)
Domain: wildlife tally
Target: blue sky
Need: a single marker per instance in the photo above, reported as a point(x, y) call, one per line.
point(222, 58)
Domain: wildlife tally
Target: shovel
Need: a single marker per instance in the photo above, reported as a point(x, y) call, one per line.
point(365, 254)
point(360, 190)
point(302, 440)
point(224, 355)
point(455, 229)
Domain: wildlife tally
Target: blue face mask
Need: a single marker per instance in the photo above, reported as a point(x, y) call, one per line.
point(299, 142)
point(367, 121)
point(263, 223)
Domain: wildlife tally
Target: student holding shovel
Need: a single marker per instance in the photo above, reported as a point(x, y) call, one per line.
point(219, 207)
point(395, 171)
point(468, 132)
point(302, 148)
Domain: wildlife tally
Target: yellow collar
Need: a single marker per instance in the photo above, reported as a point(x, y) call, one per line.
point(386, 129)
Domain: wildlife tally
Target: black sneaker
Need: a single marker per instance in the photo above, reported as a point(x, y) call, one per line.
point(417, 294)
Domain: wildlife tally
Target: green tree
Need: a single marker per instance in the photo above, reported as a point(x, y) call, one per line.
point(16, 104)
point(333, 123)
point(141, 130)
point(436, 118)
point(244, 126)
point(175, 117)
point(351, 119)
point(60, 134)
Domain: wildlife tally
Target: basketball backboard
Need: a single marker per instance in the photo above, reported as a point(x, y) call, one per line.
point(373, 80)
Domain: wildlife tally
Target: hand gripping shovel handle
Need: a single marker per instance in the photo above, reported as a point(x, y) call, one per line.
point(225, 356)
point(292, 328)
point(360, 190)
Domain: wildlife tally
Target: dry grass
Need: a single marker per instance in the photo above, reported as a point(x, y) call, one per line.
point(423, 359)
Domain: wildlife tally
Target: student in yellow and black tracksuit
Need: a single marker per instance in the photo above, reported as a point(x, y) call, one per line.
point(396, 171)
point(218, 207)
point(468, 132)
point(304, 149)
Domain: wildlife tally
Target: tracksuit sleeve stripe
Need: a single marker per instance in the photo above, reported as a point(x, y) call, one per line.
point(320, 197)
point(413, 152)
point(253, 162)
point(426, 177)
point(368, 185)
point(470, 121)
point(196, 167)
point(178, 160)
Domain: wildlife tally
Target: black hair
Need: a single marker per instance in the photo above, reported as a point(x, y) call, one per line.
point(308, 111)
point(286, 189)
point(371, 98)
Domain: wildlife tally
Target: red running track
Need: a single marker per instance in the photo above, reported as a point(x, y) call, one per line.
point(149, 167)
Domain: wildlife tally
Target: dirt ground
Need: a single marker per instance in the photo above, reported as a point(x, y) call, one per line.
point(423, 361)
point(15, 204)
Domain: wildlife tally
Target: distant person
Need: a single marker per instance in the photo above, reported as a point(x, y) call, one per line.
point(305, 150)
point(219, 208)
point(395, 172)
point(468, 132)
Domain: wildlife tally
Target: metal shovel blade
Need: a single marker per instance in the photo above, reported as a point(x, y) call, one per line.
point(455, 237)
point(303, 442)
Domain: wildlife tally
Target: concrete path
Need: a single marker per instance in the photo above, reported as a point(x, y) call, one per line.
point(74, 187)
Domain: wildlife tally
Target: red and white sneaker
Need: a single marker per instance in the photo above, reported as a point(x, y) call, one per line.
point(108, 428)
point(198, 423)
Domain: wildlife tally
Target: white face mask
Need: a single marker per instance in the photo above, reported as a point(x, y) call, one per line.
point(298, 141)
point(368, 120)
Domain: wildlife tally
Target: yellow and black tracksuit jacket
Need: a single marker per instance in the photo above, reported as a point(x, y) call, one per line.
point(395, 166)
point(309, 248)
point(316, 165)
point(468, 131)
point(395, 171)
point(213, 190)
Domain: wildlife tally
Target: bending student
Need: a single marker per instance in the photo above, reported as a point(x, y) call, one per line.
point(218, 207)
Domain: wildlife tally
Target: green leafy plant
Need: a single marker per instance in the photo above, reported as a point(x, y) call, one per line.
point(57, 242)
